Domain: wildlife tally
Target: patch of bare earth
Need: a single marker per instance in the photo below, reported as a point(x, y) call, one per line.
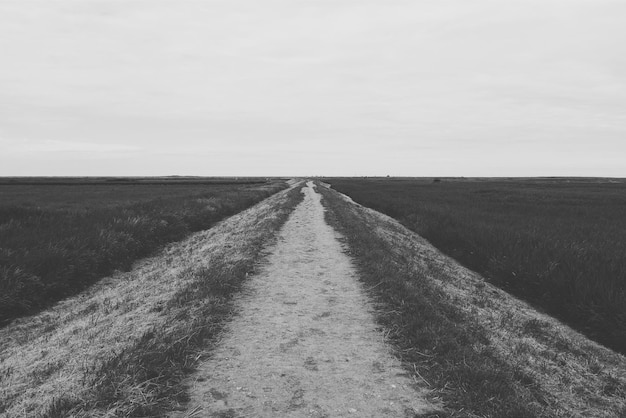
point(304, 343)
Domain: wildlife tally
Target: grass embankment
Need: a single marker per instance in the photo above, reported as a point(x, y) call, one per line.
point(58, 238)
point(559, 245)
point(125, 346)
point(480, 351)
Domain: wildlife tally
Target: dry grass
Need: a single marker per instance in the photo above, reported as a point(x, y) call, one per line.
point(105, 352)
point(56, 240)
point(484, 352)
point(559, 244)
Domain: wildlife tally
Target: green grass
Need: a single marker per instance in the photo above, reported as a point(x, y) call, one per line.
point(558, 244)
point(56, 238)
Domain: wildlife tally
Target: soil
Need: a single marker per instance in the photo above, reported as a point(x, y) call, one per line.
point(304, 342)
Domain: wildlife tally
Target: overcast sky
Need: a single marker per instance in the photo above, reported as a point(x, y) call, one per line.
point(313, 87)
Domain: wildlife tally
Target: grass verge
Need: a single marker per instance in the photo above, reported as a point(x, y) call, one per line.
point(125, 348)
point(481, 352)
point(49, 252)
point(559, 244)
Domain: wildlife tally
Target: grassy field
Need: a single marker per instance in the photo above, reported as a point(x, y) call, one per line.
point(558, 243)
point(481, 352)
point(84, 193)
point(125, 346)
point(59, 235)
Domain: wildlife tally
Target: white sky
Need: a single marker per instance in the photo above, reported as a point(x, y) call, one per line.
point(313, 87)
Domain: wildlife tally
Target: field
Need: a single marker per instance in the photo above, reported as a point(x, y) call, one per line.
point(59, 235)
point(481, 352)
point(124, 346)
point(557, 243)
point(271, 312)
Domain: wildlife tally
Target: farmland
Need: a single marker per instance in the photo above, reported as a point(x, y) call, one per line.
point(265, 305)
point(59, 235)
point(557, 243)
point(123, 346)
point(481, 351)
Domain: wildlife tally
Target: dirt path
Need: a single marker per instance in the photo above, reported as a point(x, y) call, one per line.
point(304, 343)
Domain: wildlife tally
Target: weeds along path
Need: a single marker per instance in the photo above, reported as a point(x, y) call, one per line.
point(304, 343)
point(484, 352)
point(118, 348)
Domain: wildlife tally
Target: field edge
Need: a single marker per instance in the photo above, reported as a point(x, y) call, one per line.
point(482, 351)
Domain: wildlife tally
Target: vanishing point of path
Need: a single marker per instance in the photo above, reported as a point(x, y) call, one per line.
point(304, 342)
